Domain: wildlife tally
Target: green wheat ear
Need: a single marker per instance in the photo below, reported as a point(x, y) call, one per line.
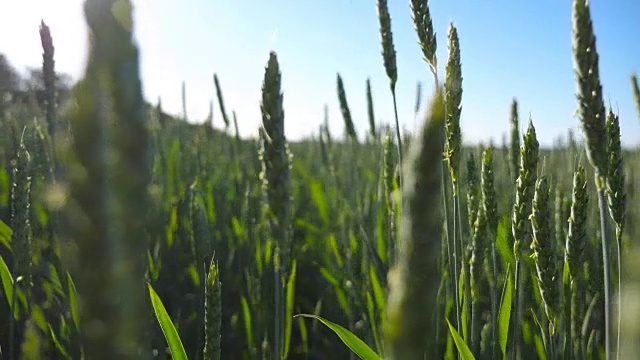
point(108, 172)
point(521, 210)
point(473, 193)
point(413, 282)
point(370, 113)
point(426, 35)
point(453, 94)
point(515, 140)
point(525, 187)
point(636, 92)
point(276, 158)
point(388, 49)
point(591, 113)
point(416, 108)
point(276, 185)
point(490, 212)
point(225, 117)
point(48, 70)
point(390, 186)
point(487, 185)
point(617, 198)
point(346, 112)
point(390, 66)
point(542, 246)
point(575, 255)
point(616, 195)
point(213, 313)
point(590, 104)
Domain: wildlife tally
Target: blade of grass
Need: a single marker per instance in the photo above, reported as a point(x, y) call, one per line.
point(169, 330)
point(7, 281)
point(356, 345)
point(463, 349)
point(504, 316)
point(291, 285)
point(5, 235)
point(73, 301)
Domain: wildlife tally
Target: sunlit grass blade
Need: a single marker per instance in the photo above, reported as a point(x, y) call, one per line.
point(504, 316)
point(73, 301)
point(5, 235)
point(246, 315)
point(291, 286)
point(463, 349)
point(586, 348)
point(542, 334)
point(378, 291)
point(7, 280)
point(57, 344)
point(170, 333)
point(374, 323)
point(502, 243)
point(356, 345)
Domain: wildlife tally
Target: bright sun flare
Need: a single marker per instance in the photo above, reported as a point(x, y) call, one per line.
point(21, 19)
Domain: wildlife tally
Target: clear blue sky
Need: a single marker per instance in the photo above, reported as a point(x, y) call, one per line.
point(509, 48)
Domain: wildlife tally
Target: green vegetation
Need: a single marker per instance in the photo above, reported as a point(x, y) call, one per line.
point(126, 233)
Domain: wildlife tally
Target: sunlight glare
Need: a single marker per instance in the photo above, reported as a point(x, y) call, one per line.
point(21, 21)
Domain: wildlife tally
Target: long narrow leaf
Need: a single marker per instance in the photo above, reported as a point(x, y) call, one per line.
point(57, 343)
point(73, 301)
point(5, 235)
point(246, 315)
point(356, 345)
point(504, 316)
point(291, 286)
point(170, 333)
point(7, 281)
point(463, 349)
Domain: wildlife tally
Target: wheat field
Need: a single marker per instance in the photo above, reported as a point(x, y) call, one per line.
point(128, 233)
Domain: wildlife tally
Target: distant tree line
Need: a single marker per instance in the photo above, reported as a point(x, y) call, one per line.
point(18, 89)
